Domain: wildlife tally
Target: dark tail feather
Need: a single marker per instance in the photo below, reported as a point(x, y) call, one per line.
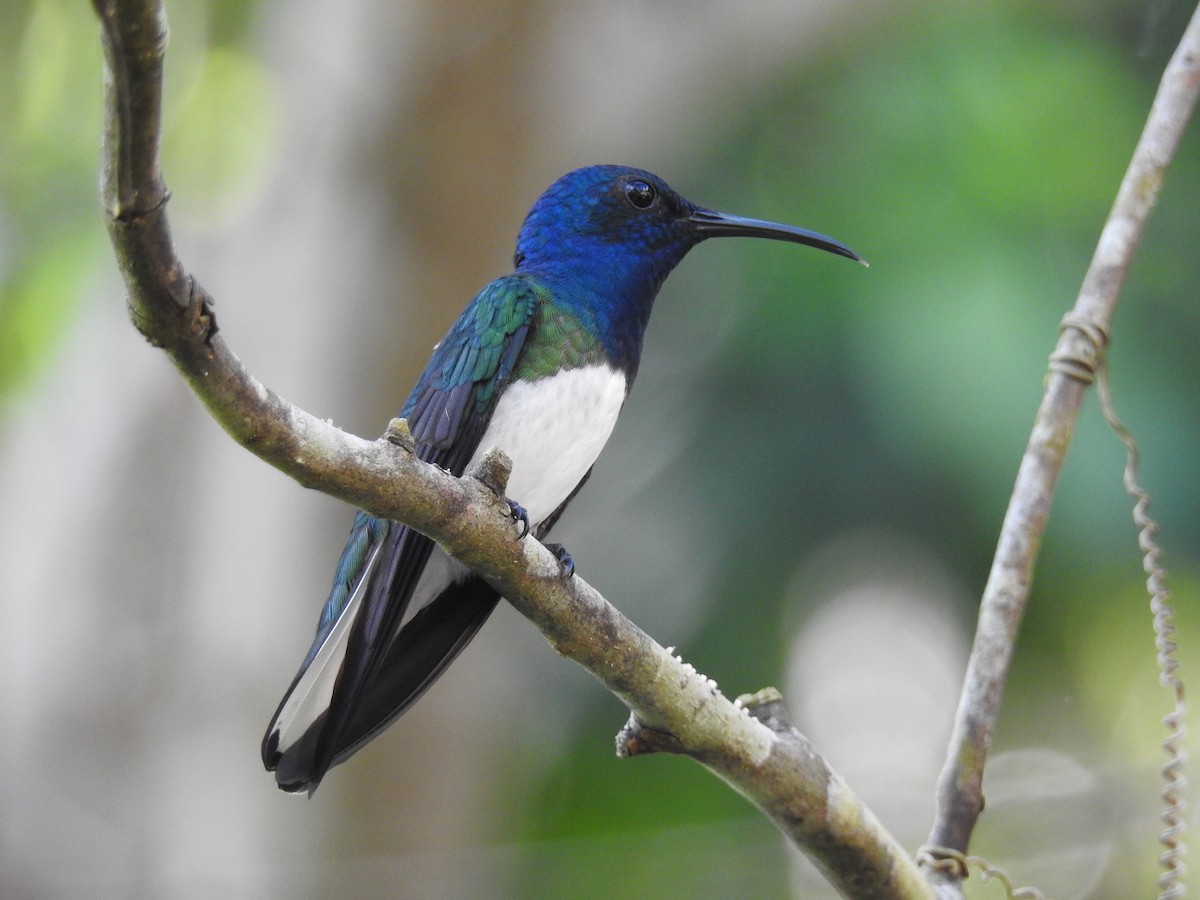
point(418, 656)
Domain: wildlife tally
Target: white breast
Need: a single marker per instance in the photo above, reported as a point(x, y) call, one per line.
point(553, 429)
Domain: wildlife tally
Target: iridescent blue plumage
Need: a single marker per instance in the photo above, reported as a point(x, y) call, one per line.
point(539, 364)
point(604, 264)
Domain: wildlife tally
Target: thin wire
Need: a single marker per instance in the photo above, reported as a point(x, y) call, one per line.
point(1173, 816)
point(1087, 366)
point(952, 862)
point(1084, 362)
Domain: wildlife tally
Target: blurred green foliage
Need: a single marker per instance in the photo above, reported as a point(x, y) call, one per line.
point(974, 174)
point(48, 128)
point(218, 136)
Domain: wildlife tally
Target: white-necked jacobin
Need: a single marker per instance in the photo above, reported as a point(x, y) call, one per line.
point(539, 365)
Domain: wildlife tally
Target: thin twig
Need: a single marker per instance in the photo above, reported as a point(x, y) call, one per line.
point(1076, 358)
point(775, 768)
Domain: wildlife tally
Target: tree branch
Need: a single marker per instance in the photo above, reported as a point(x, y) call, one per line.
point(1078, 355)
point(775, 767)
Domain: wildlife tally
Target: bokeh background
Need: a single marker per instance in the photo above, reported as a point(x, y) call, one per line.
point(804, 490)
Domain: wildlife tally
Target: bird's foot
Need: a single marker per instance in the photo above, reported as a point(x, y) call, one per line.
point(519, 514)
point(565, 562)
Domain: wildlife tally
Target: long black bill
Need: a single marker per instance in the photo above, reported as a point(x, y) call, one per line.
point(714, 224)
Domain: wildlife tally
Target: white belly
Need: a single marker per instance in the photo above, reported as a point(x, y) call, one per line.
point(553, 429)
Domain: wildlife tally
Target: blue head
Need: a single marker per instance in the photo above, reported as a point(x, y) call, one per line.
point(605, 238)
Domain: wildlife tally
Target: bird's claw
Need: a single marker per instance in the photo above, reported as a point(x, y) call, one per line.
point(565, 562)
point(520, 515)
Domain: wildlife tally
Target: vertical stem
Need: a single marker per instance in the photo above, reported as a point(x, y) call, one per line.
point(1076, 358)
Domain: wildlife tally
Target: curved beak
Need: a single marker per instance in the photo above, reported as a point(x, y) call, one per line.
point(714, 224)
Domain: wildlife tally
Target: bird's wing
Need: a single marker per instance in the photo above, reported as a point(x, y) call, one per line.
point(382, 565)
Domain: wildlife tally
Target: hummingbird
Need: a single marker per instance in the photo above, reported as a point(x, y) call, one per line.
point(539, 364)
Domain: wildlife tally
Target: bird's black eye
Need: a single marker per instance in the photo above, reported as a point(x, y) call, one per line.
point(640, 194)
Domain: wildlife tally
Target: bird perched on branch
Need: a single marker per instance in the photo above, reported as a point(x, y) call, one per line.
point(539, 364)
